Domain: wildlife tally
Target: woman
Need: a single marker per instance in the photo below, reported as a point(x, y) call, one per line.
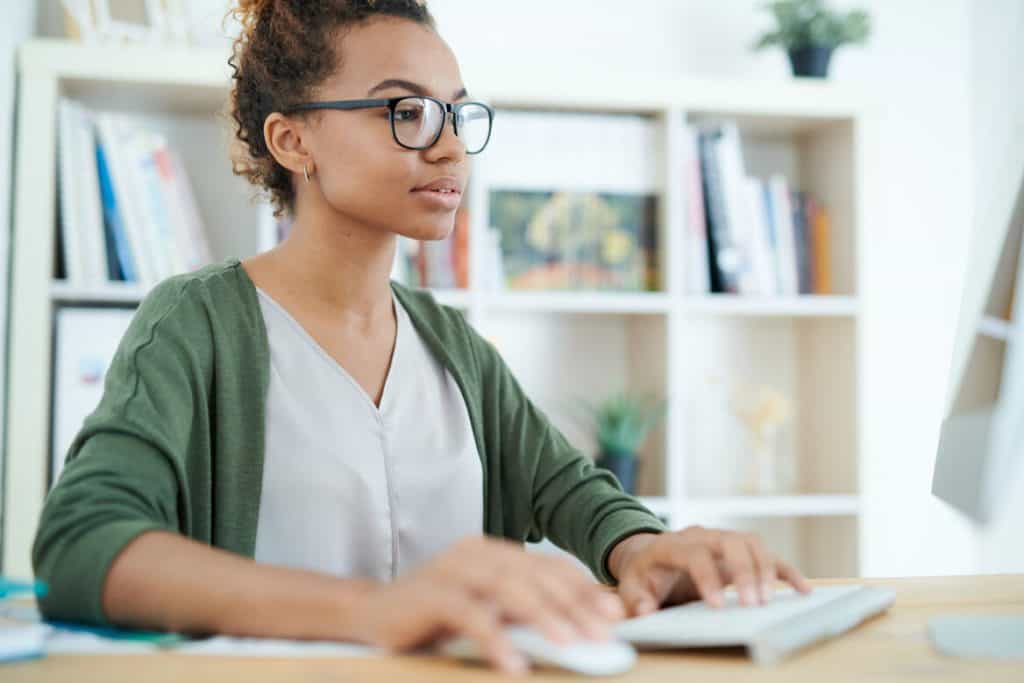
point(294, 446)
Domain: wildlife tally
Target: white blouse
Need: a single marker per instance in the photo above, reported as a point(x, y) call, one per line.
point(356, 491)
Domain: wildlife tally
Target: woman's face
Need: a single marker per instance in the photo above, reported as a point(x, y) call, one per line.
point(361, 171)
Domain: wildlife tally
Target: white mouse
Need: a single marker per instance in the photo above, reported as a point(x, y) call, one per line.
point(589, 657)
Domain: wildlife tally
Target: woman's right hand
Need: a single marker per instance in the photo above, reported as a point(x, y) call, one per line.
point(475, 588)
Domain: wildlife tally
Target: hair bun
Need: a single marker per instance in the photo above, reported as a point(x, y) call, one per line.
point(248, 12)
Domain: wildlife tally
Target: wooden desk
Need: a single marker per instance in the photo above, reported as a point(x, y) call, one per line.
point(893, 647)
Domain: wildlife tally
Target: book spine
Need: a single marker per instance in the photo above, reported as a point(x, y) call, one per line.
point(733, 185)
point(158, 229)
point(200, 245)
point(119, 252)
point(696, 233)
point(124, 175)
point(782, 215)
point(821, 249)
point(761, 251)
point(97, 268)
point(179, 245)
point(802, 242)
point(723, 256)
point(69, 194)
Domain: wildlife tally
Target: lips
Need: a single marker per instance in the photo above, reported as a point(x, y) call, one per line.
point(446, 185)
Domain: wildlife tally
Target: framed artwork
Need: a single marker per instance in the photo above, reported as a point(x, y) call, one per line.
point(126, 21)
point(85, 340)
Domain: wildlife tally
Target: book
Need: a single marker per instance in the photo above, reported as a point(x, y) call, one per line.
point(93, 239)
point(695, 235)
point(762, 242)
point(729, 155)
point(802, 234)
point(127, 186)
point(68, 194)
point(119, 252)
point(724, 254)
point(821, 248)
point(782, 218)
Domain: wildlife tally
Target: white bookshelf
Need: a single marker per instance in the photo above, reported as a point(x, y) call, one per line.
point(558, 344)
point(996, 328)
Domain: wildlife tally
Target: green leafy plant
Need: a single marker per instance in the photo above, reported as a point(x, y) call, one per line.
point(622, 421)
point(808, 23)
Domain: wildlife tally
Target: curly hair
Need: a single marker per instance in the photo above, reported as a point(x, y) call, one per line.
point(285, 49)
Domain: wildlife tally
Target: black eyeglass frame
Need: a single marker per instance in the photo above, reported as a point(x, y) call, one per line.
point(392, 103)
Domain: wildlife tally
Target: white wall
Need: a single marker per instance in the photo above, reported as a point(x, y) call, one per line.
point(998, 124)
point(920, 62)
point(18, 24)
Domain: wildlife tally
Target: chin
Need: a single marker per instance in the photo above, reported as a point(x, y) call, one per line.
point(427, 231)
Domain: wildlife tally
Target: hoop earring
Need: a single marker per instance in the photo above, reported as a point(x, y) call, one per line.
point(305, 172)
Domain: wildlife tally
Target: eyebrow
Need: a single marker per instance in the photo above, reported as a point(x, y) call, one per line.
point(410, 86)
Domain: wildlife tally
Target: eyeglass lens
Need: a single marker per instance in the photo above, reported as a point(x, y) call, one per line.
point(417, 121)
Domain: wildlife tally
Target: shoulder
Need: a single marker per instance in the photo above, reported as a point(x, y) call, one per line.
point(192, 314)
point(214, 291)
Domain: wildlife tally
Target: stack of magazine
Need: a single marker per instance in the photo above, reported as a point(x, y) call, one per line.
point(127, 213)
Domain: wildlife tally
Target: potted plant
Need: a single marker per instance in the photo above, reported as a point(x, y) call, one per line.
point(810, 32)
point(622, 422)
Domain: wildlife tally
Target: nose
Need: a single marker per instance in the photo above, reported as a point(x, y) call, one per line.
point(448, 146)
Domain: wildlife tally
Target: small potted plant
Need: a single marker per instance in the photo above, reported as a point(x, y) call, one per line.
point(622, 422)
point(810, 33)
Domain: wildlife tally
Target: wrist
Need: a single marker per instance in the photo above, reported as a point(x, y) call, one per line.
point(351, 603)
point(625, 549)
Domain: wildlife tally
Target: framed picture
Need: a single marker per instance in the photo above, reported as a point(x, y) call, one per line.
point(126, 21)
point(85, 340)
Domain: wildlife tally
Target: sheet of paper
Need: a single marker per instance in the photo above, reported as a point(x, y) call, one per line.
point(64, 641)
point(269, 647)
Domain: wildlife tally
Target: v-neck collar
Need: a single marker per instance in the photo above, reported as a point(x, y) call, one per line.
point(396, 354)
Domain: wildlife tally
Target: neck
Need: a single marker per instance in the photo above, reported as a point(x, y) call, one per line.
point(341, 264)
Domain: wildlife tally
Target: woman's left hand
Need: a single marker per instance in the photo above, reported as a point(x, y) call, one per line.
point(696, 563)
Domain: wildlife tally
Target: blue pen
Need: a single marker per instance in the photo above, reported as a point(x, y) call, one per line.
point(9, 588)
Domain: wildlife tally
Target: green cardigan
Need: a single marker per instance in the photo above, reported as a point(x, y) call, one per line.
point(176, 443)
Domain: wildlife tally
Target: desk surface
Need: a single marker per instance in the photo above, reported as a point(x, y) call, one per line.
point(890, 647)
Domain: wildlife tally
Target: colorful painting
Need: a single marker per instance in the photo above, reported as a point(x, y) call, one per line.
point(577, 240)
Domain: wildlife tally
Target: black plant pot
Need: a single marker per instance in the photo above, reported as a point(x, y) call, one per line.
point(623, 465)
point(811, 61)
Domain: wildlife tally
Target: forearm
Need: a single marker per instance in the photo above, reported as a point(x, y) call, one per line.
point(168, 582)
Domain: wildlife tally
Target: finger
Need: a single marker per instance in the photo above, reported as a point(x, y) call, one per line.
point(597, 597)
point(636, 593)
point(765, 567)
point(740, 565)
point(586, 605)
point(705, 577)
point(525, 601)
point(792, 576)
point(471, 618)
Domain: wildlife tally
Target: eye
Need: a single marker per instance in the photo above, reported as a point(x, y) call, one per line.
point(407, 114)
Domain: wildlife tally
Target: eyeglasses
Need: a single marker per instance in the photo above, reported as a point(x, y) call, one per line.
point(418, 120)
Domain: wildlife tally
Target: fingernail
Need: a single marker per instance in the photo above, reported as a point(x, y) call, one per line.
point(749, 596)
point(768, 590)
point(717, 599)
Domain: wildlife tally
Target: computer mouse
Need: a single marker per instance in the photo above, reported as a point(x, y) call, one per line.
point(588, 657)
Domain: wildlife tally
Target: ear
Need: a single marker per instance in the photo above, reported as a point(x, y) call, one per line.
point(288, 139)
